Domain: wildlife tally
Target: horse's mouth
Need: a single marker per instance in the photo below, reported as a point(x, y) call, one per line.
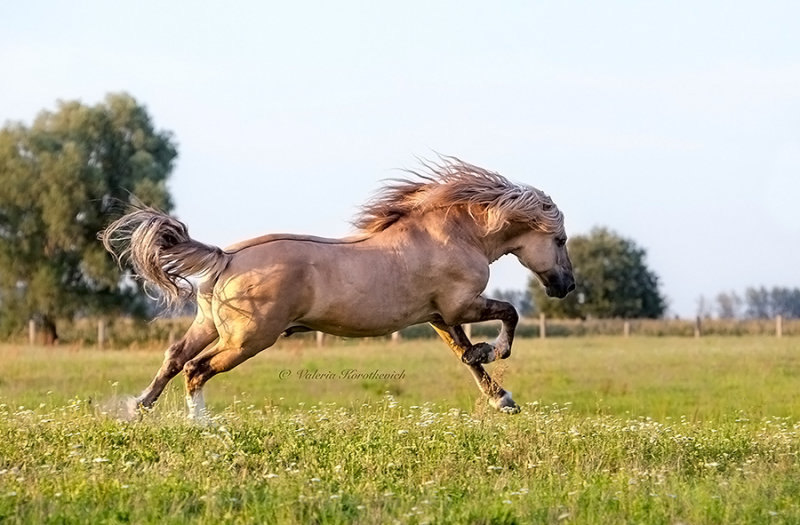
point(559, 291)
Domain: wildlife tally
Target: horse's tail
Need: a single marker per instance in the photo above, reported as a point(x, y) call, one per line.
point(162, 253)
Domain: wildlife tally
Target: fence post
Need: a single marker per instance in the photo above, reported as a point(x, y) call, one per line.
point(542, 327)
point(32, 332)
point(468, 330)
point(626, 329)
point(101, 334)
point(779, 326)
point(698, 327)
point(320, 339)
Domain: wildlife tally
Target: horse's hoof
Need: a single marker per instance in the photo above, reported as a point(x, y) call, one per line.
point(505, 404)
point(477, 354)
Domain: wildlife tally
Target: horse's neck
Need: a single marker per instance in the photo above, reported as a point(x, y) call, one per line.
point(448, 227)
point(460, 224)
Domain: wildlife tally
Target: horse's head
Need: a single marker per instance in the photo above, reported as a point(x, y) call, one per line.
point(545, 254)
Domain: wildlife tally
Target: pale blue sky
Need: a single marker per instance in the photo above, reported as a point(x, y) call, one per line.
point(676, 124)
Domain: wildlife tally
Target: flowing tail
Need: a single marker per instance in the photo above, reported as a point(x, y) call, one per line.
point(162, 253)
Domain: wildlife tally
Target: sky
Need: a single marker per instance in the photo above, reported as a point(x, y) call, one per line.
point(676, 124)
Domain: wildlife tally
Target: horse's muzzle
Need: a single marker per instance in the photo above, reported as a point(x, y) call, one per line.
point(560, 286)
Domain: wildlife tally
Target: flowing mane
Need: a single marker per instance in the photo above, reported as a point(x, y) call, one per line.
point(487, 196)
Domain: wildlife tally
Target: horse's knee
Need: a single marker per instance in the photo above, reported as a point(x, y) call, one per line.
point(173, 361)
point(174, 350)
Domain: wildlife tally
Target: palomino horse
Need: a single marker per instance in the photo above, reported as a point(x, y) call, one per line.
point(422, 256)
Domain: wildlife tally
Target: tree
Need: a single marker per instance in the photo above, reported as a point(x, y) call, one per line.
point(786, 302)
point(759, 305)
point(764, 304)
point(704, 307)
point(61, 179)
point(729, 305)
point(612, 280)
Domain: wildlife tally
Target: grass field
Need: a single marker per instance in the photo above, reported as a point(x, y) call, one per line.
point(613, 430)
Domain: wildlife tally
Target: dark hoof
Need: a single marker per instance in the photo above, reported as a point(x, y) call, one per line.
point(478, 354)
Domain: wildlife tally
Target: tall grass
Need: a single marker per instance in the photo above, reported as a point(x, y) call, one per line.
point(613, 430)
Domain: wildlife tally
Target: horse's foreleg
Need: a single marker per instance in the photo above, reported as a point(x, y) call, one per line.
point(489, 310)
point(459, 343)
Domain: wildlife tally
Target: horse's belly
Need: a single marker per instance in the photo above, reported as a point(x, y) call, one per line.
point(347, 321)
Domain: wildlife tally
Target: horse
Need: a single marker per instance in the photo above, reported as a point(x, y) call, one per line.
point(421, 254)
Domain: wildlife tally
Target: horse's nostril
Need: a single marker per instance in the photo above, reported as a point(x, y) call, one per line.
point(571, 287)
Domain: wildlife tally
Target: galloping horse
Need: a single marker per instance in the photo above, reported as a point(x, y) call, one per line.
point(422, 255)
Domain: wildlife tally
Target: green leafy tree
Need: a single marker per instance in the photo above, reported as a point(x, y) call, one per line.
point(61, 180)
point(612, 280)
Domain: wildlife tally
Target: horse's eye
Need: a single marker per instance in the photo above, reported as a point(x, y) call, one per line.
point(561, 241)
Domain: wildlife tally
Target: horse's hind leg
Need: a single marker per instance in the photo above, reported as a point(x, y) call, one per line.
point(232, 349)
point(459, 343)
point(200, 334)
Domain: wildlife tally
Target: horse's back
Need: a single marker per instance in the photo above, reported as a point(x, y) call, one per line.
point(277, 237)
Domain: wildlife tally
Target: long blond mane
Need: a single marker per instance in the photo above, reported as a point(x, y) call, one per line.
point(487, 196)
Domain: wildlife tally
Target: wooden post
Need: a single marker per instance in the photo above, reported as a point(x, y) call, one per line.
point(101, 334)
point(626, 329)
point(542, 327)
point(468, 330)
point(32, 332)
point(779, 326)
point(698, 328)
point(320, 339)
point(395, 337)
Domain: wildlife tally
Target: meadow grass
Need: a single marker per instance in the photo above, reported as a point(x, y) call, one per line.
point(613, 430)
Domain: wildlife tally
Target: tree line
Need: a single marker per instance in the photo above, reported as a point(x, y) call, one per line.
point(755, 303)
